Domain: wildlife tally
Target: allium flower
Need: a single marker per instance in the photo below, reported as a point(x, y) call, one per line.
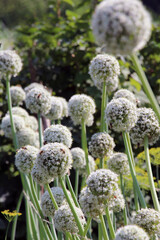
point(32, 123)
point(124, 93)
point(105, 68)
point(78, 157)
point(58, 133)
point(17, 95)
point(55, 159)
point(10, 63)
point(149, 219)
point(131, 232)
point(64, 220)
point(25, 158)
point(6, 125)
point(92, 166)
point(90, 204)
point(118, 163)
point(38, 100)
point(81, 107)
point(116, 202)
point(34, 85)
point(39, 175)
point(102, 183)
point(56, 109)
point(47, 204)
point(121, 114)
point(147, 125)
point(20, 112)
point(101, 145)
point(121, 26)
point(64, 106)
point(26, 136)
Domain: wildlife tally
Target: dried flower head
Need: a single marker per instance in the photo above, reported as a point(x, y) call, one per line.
point(64, 106)
point(17, 95)
point(56, 109)
point(124, 93)
point(39, 175)
point(78, 157)
point(131, 232)
point(118, 163)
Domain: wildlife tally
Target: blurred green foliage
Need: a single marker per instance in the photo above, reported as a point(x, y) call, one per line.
point(154, 157)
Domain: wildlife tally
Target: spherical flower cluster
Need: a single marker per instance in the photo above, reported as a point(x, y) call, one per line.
point(34, 85)
point(124, 93)
point(121, 26)
point(81, 107)
point(26, 136)
point(149, 219)
point(78, 157)
point(6, 125)
point(116, 202)
point(55, 159)
point(20, 112)
point(64, 107)
point(38, 101)
point(25, 158)
point(121, 114)
point(118, 163)
point(58, 133)
point(56, 109)
point(92, 166)
point(90, 204)
point(102, 183)
point(105, 68)
point(147, 125)
point(39, 175)
point(64, 220)
point(101, 145)
point(10, 63)
point(47, 206)
point(32, 123)
point(131, 232)
point(17, 95)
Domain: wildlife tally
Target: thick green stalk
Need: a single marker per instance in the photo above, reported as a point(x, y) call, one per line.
point(76, 182)
point(53, 228)
point(124, 210)
point(84, 145)
point(33, 224)
point(110, 224)
point(99, 232)
point(103, 107)
point(104, 230)
point(40, 129)
point(133, 173)
point(28, 221)
point(145, 84)
point(52, 197)
point(150, 176)
point(71, 191)
point(87, 226)
point(7, 231)
point(157, 178)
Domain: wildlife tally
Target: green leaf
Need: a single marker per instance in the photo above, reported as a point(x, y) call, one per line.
point(70, 2)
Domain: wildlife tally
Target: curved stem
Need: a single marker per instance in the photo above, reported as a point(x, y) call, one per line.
point(124, 210)
point(150, 176)
point(52, 197)
point(105, 234)
point(103, 106)
point(71, 191)
point(76, 182)
point(84, 145)
point(40, 129)
point(110, 225)
point(146, 85)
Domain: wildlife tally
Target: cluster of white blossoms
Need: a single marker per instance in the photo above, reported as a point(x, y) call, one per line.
point(26, 136)
point(58, 133)
point(149, 220)
point(121, 26)
point(78, 157)
point(40, 176)
point(121, 114)
point(25, 158)
point(92, 166)
point(124, 93)
point(116, 202)
point(56, 109)
point(34, 85)
point(17, 95)
point(10, 63)
point(55, 159)
point(105, 68)
point(64, 106)
point(38, 101)
point(81, 107)
point(101, 145)
point(64, 220)
point(118, 163)
point(147, 125)
point(131, 232)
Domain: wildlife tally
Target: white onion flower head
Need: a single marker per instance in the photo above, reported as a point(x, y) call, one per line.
point(17, 95)
point(147, 125)
point(131, 232)
point(26, 136)
point(20, 112)
point(118, 163)
point(92, 167)
point(32, 123)
point(64, 220)
point(101, 145)
point(56, 109)
point(55, 159)
point(38, 101)
point(58, 133)
point(39, 175)
point(34, 85)
point(124, 93)
point(121, 114)
point(6, 125)
point(116, 202)
point(105, 68)
point(78, 157)
point(121, 26)
point(64, 106)
point(25, 158)
point(149, 220)
point(90, 204)
point(81, 107)
point(102, 183)
point(10, 63)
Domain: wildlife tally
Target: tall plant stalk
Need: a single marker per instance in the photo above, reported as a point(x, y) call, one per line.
point(104, 230)
point(76, 182)
point(103, 126)
point(122, 190)
point(110, 225)
point(71, 191)
point(84, 145)
point(40, 129)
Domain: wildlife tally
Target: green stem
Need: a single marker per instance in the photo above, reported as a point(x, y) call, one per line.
point(59, 121)
point(99, 232)
point(157, 178)
point(87, 226)
point(146, 85)
point(110, 225)
point(103, 107)
point(133, 173)
point(104, 230)
point(101, 163)
point(40, 129)
point(56, 182)
point(7, 231)
point(71, 191)
point(76, 183)
point(28, 221)
point(53, 228)
point(84, 145)
point(33, 224)
point(51, 196)
point(124, 210)
point(150, 176)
